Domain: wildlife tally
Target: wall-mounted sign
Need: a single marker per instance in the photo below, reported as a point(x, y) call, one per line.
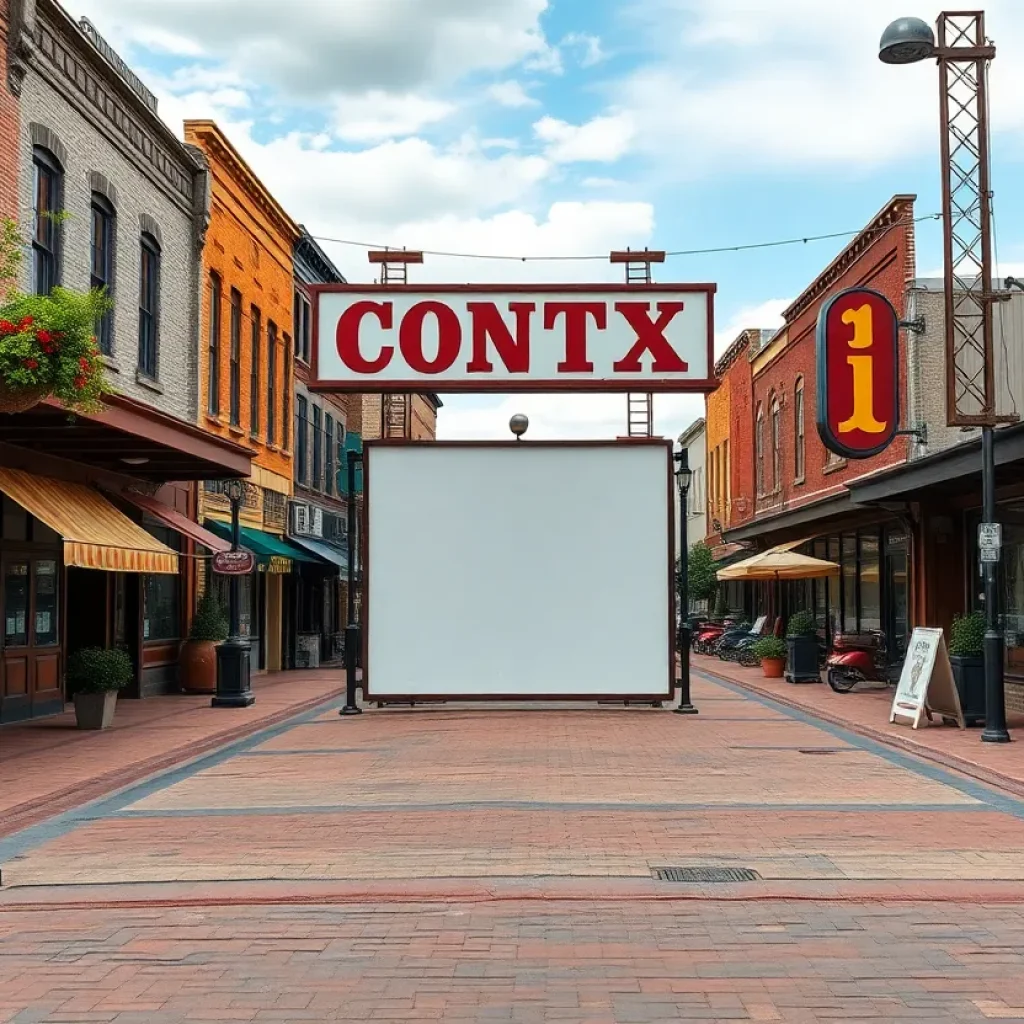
point(234, 563)
point(508, 338)
point(858, 399)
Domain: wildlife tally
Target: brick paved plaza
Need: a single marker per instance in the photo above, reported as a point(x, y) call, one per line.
point(460, 863)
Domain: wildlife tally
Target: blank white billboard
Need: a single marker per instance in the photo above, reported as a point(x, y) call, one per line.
point(519, 570)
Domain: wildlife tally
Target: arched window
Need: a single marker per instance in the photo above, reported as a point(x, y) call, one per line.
point(759, 448)
point(776, 414)
point(101, 274)
point(798, 428)
point(47, 188)
point(149, 305)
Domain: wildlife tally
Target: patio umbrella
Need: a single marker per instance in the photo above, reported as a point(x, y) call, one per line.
point(780, 563)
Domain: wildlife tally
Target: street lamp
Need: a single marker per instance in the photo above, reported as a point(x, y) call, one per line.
point(234, 679)
point(352, 638)
point(962, 52)
point(519, 424)
point(683, 477)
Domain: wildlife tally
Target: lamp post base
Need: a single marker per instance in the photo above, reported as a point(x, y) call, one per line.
point(350, 709)
point(234, 685)
point(685, 709)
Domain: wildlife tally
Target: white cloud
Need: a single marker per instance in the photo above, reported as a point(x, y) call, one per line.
point(591, 52)
point(601, 183)
point(600, 140)
point(377, 115)
point(766, 315)
point(160, 41)
point(511, 94)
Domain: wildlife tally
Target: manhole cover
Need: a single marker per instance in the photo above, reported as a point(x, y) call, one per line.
point(705, 875)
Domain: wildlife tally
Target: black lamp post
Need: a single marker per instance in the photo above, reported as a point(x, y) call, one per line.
point(683, 477)
point(351, 627)
point(962, 52)
point(234, 680)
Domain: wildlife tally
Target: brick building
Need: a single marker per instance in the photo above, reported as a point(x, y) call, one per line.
point(107, 198)
point(10, 90)
point(246, 378)
point(793, 488)
point(408, 416)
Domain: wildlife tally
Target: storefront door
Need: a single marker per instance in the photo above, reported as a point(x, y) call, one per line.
point(897, 594)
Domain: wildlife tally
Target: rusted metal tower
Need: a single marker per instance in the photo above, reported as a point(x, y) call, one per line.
point(639, 407)
point(395, 410)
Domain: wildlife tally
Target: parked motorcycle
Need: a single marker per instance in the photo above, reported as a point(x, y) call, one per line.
point(704, 638)
point(735, 645)
point(858, 658)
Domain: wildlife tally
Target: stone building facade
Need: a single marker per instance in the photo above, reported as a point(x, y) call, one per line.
point(10, 90)
point(133, 200)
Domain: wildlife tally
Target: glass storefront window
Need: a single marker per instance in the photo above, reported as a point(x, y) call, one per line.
point(161, 592)
point(46, 603)
point(870, 583)
point(834, 603)
point(16, 582)
point(849, 564)
point(222, 588)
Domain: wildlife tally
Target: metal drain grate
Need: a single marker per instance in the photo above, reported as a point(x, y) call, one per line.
point(705, 875)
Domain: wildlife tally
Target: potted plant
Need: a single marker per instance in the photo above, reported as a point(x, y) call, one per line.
point(802, 649)
point(197, 660)
point(771, 652)
point(966, 646)
point(47, 342)
point(95, 676)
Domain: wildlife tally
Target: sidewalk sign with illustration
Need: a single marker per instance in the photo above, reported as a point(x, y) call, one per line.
point(926, 682)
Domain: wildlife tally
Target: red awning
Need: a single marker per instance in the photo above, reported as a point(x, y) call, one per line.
point(176, 521)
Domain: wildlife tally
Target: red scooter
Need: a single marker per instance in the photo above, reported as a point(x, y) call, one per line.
point(857, 658)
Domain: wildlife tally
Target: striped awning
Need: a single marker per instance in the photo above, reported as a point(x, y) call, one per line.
point(96, 534)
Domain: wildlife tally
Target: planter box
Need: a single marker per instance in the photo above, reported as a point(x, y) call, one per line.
point(802, 659)
point(969, 673)
point(772, 667)
point(95, 710)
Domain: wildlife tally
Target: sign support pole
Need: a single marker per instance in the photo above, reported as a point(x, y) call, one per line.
point(351, 628)
point(234, 668)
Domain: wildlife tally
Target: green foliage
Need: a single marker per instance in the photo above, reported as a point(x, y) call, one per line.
point(99, 670)
point(801, 624)
point(967, 637)
point(209, 621)
point(47, 342)
point(769, 647)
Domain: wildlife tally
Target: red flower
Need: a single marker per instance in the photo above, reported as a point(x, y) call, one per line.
point(26, 322)
point(79, 383)
point(6, 327)
point(44, 337)
point(31, 364)
point(84, 364)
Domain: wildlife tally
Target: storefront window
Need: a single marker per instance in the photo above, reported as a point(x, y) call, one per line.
point(161, 592)
point(849, 564)
point(222, 588)
point(16, 582)
point(46, 603)
point(15, 522)
point(870, 583)
point(834, 604)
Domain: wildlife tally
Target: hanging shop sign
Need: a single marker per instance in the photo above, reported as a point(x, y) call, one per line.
point(399, 338)
point(234, 563)
point(858, 373)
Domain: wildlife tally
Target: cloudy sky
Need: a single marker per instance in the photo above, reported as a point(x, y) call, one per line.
point(572, 127)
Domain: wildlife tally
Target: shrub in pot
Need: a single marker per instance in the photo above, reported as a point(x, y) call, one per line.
point(802, 649)
point(771, 652)
point(966, 647)
point(95, 676)
point(197, 659)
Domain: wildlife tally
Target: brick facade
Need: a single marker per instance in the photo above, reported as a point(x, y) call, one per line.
point(420, 426)
point(109, 142)
point(10, 87)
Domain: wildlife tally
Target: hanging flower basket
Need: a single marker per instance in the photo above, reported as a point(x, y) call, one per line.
point(19, 399)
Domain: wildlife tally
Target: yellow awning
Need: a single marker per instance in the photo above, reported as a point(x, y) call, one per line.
point(96, 535)
point(779, 563)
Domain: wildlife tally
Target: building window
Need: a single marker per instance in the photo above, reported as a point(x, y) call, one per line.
point(303, 327)
point(161, 592)
point(776, 444)
point(286, 393)
point(48, 186)
point(870, 583)
point(213, 354)
point(318, 447)
point(301, 439)
point(236, 357)
point(798, 428)
point(256, 325)
point(328, 454)
point(101, 274)
point(848, 561)
point(759, 449)
point(271, 381)
point(149, 306)
point(726, 485)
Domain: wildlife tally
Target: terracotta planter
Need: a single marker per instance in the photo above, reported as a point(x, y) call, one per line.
point(197, 666)
point(14, 400)
point(773, 667)
point(95, 710)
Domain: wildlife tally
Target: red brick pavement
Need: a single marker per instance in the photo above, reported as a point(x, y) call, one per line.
point(866, 711)
point(50, 765)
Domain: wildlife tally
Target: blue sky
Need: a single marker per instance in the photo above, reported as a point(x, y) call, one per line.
point(544, 127)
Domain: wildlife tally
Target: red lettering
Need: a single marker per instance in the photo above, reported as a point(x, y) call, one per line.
point(576, 314)
point(489, 323)
point(449, 337)
point(348, 337)
point(650, 337)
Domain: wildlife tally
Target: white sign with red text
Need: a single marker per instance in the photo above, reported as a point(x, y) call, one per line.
point(499, 338)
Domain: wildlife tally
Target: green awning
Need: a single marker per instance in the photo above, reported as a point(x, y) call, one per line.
point(321, 550)
point(265, 546)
